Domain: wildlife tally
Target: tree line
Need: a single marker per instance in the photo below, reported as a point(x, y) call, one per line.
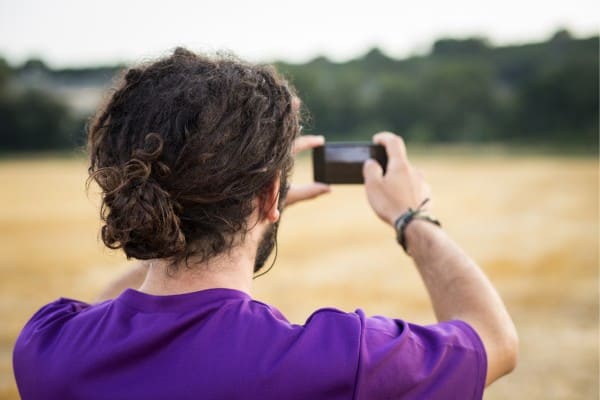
point(461, 91)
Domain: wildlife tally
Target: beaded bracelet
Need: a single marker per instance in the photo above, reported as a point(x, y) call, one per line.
point(403, 221)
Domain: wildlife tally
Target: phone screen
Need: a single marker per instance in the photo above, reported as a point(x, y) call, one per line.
point(342, 163)
point(347, 154)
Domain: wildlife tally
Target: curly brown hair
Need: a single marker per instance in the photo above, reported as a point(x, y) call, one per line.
point(182, 149)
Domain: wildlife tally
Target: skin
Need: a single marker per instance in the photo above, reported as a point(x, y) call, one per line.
point(232, 270)
point(458, 288)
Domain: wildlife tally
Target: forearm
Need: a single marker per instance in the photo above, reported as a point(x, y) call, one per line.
point(460, 290)
point(133, 278)
point(457, 287)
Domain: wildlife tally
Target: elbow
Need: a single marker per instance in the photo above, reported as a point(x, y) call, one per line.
point(503, 355)
point(513, 350)
point(501, 342)
point(510, 351)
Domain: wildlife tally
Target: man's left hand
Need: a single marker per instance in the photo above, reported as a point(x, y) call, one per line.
point(308, 191)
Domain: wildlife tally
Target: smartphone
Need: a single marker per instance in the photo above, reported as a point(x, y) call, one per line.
point(342, 163)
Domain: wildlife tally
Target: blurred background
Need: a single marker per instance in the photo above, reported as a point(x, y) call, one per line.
point(498, 103)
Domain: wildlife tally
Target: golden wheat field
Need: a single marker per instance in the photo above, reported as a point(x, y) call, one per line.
point(530, 221)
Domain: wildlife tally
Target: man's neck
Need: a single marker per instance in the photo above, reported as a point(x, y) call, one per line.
point(230, 270)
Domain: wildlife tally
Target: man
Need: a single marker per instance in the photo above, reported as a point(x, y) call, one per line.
point(193, 156)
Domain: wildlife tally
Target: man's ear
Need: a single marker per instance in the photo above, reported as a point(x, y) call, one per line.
point(270, 201)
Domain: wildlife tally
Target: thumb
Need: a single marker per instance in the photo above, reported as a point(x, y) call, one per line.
point(372, 171)
point(304, 192)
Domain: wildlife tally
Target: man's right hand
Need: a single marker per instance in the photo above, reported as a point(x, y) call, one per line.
point(402, 187)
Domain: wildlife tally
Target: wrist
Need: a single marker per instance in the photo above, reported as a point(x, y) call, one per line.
point(404, 220)
point(418, 234)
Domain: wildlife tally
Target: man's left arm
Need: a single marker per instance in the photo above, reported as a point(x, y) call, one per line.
point(132, 278)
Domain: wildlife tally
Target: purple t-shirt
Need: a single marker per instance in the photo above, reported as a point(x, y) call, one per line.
point(222, 344)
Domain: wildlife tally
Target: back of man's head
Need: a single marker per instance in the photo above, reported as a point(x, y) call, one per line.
point(184, 147)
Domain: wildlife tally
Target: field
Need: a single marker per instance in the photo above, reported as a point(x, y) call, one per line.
point(530, 221)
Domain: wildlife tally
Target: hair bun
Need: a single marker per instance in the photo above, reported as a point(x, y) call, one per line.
point(225, 132)
point(140, 215)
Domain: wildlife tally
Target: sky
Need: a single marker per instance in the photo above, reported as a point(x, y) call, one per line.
point(71, 33)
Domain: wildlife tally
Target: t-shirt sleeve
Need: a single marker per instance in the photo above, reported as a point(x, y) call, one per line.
point(403, 360)
point(50, 314)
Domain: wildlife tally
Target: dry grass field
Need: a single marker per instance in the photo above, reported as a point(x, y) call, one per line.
point(530, 221)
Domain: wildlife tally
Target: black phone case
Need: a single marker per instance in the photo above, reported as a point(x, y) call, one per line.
point(344, 172)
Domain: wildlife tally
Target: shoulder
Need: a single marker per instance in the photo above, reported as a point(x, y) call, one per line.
point(317, 319)
point(323, 321)
point(322, 351)
point(424, 360)
point(52, 315)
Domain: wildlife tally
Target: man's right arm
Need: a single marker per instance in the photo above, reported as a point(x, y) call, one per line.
point(458, 288)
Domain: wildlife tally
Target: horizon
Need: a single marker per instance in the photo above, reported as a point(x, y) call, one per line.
point(70, 34)
point(374, 47)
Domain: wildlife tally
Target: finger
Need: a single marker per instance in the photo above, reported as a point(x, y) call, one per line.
point(372, 172)
point(394, 147)
point(394, 144)
point(305, 192)
point(296, 103)
point(306, 142)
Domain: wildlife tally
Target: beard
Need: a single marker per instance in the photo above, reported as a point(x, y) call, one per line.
point(269, 239)
point(265, 246)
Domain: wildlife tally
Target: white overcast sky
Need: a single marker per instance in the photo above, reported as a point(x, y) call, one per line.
point(86, 32)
